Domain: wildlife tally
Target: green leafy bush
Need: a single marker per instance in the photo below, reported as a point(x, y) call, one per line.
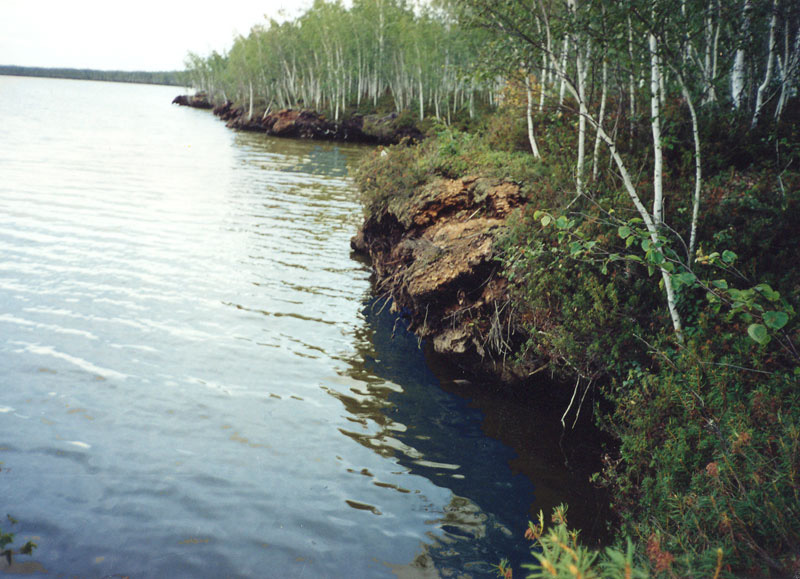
point(580, 315)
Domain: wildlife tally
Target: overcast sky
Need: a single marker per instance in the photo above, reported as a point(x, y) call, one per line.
point(128, 34)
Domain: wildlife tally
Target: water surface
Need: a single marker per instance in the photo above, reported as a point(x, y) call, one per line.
point(195, 380)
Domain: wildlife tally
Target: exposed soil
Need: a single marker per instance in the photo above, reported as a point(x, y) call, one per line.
point(433, 255)
point(435, 259)
point(307, 124)
point(198, 101)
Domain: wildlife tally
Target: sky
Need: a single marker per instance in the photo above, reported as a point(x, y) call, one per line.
point(151, 35)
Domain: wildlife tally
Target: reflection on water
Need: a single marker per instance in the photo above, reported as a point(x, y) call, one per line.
point(401, 412)
point(502, 453)
point(195, 382)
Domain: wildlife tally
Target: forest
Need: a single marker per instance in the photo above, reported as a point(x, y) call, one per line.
point(654, 261)
point(173, 78)
point(335, 59)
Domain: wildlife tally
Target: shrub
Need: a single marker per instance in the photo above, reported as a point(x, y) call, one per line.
point(710, 458)
point(387, 175)
point(708, 429)
point(507, 131)
point(578, 317)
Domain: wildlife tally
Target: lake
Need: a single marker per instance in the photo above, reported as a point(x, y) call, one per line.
point(196, 380)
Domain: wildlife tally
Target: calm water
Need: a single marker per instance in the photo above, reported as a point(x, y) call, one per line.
point(194, 380)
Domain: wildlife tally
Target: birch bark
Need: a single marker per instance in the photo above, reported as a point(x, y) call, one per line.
point(529, 117)
point(738, 72)
point(762, 88)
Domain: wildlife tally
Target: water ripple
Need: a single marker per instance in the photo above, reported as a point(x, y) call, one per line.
point(184, 389)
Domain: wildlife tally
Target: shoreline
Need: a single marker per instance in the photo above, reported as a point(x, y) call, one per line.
point(432, 255)
point(386, 129)
point(434, 258)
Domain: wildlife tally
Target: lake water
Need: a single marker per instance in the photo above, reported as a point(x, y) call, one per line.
point(195, 381)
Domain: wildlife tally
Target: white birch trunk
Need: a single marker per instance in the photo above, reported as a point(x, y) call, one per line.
point(791, 60)
point(647, 218)
point(698, 168)
point(600, 119)
point(529, 117)
point(738, 72)
point(762, 88)
point(563, 67)
point(655, 125)
point(583, 112)
point(658, 178)
point(421, 101)
point(582, 107)
point(649, 222)
point(250, 112)
point(542, 82)
point(471, 100)
point(712, 26)
point(631, 79)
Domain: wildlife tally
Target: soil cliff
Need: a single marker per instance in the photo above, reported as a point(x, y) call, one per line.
point(383, 129)
point(434, 258)
point(197, 101)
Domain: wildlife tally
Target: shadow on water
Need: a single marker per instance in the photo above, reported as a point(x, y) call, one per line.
point(320, 158)
point(500, 453)
point(558, 459)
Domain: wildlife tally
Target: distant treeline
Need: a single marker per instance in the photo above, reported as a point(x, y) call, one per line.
point(172, 77)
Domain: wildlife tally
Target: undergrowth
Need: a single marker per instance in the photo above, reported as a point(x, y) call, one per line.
point(705, 475)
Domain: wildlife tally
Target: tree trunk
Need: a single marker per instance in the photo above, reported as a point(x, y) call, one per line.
point(542, 82)
point(600, 118)
point(583, 113)
point(563, 67)
point(631, 81)
point(698, 169)
point(655, 125)
point(529, 117)
point(250, 112)
point(762, 88)
point(648, 219)
point(712, 26)
point(791, 60)
point(738, 72)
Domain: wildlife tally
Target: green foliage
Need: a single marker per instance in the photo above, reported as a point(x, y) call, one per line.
point(389, 177)
point(709, 431)
point(713, 462)
point(579, 315)
point(506, 131)
point(705, 477)
point(7, 539)
point(453, 154)
point(373, 55)
point(559, 554)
